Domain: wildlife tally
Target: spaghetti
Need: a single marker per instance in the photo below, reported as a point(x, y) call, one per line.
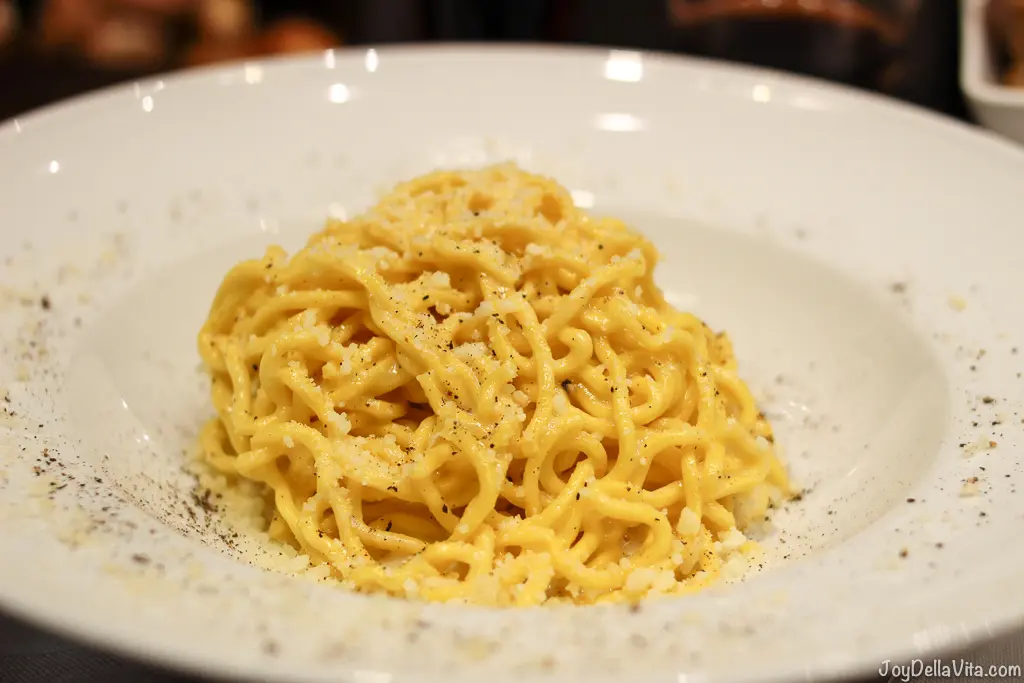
point(475, 392)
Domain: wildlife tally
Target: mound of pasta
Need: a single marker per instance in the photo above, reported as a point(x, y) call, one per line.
point(475, 392)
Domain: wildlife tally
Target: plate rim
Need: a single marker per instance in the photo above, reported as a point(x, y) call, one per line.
point(178, 77)
point(142, 649)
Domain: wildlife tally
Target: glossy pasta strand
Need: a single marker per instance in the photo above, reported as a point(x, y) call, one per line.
point(475, 392)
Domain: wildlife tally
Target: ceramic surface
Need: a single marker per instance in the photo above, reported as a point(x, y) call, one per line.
point(864, 256)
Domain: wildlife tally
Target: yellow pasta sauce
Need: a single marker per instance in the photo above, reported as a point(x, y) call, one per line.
point(475, 392)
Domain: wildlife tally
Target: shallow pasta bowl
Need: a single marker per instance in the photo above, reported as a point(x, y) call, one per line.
point(863, 256)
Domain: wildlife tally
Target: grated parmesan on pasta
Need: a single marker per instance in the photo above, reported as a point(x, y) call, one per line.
point(474, 392)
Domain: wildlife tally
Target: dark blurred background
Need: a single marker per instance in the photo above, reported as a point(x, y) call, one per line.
point(50, 49)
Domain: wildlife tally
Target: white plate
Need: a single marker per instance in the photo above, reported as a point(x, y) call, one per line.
point(835, 235)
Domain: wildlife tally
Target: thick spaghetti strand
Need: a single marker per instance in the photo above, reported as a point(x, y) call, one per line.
point(475, 392)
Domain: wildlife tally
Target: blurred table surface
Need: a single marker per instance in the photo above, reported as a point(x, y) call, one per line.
point(28, 655)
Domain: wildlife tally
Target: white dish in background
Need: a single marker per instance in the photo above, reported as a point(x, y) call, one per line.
point(996, 106)
point(864, 256)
